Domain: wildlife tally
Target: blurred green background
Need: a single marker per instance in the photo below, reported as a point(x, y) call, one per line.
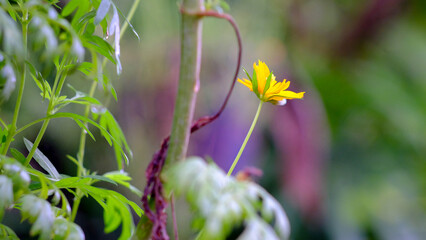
point(347, 162)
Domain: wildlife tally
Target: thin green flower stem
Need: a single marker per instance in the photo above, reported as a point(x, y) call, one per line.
point(246, 139)
point(13, 127)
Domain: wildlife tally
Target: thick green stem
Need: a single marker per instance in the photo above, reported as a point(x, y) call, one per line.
point(246, 139)
point(13, 127)
point(190, 62)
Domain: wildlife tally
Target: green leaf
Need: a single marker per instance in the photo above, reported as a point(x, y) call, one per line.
point(248, 75)
point(41, 83)
point(18, 155)
point(113, 93)
point(42, 185)
point(73, 116)
point(102, 178)
point(267, 84)
point(108, 121)
point(86, 129)
point(254, 84)
point(112, 216)
point(85, 20)
point(100, 46)
point(43, 160)
point(70, 7)
point(85, 68)
point(82, 8)
point(225, 5)
point(123, 178)
point(7, 233)
point(102, 11)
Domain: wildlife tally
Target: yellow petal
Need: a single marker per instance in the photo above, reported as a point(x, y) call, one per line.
point(246, 83)
point(291, 95)
point(262, 73)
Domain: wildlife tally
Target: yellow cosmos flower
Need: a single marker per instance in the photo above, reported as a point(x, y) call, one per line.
point(267, 89)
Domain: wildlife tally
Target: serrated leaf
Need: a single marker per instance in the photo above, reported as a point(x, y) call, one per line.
point(123, 178)
point(102, 178)
point(102, 11)
point(85, 68)
point(112, 216)
point(43, 160)
point(85, 128)
point(104, 132)
point(72, 182)
point(41, 83)
point(108, 121)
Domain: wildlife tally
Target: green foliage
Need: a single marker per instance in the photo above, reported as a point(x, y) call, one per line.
point(43, 161)
point(222, 203)
point(7, 233)
point(217, 5)
point(48, 221)
point(51, 47)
